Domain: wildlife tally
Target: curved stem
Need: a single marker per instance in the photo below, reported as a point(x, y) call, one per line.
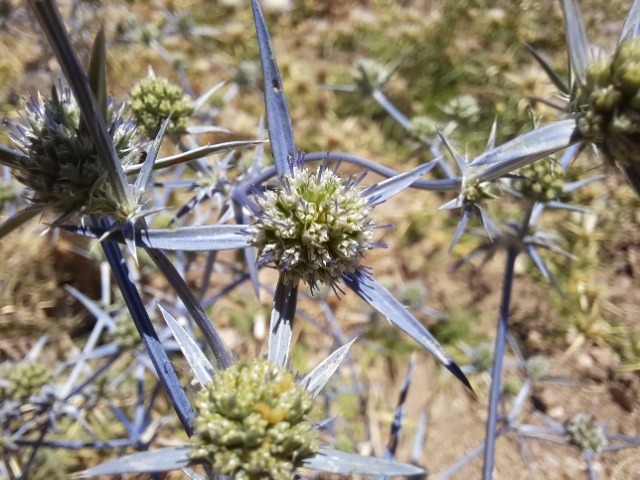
point(496, 374)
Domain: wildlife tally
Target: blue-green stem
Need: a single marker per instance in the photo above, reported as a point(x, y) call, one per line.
point(496, 373)
point(152, 344)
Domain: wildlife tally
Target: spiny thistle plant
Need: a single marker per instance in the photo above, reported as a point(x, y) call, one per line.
point(60, 164)
point(251, 419)
point(253, 423)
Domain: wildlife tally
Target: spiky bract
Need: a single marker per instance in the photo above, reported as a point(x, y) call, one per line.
point(252, 422)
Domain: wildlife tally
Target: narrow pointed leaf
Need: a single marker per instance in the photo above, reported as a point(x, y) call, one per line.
point(13, 222)
point(573, 186)
point(97, 72)
point(51, 22)
point(195, 154)
point(336, 461)
point(457, 202)
point(576, 40)
point(188, 239)
point(195, 309)
point(204, 98)
point(193, 475)
point(278, 120)
point(155, 461)
point(147, 332)
point(95, 310)
point(460, 228)
point(200, 365)
point(319, 376)
point(491, 142)
point(523, 150)
point(420, 438)
point(367, 288)
point(386, 189)
point(12, 158)
point(391, 109)
point(542, 267)
point(281, 325)
point(35, 351)
point(631, 23)
point(142, 181)
point(551, 73)
point(460, 162)
point(200, 129)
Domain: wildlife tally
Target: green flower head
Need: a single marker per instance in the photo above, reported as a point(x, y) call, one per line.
point(608, 104)
point(314, 227)
point(152, 100)
point(541, 181)
point(61, 166)
point(252, 422)
point(22, 380)
point(586, 433)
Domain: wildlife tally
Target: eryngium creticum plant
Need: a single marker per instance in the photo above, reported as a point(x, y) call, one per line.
point(253, 423)
point(60, 165)
point(315, 226)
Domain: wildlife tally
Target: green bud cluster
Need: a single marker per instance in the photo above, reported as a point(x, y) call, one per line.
point(608, 104)
point(125, 334)
point(585, 433)
point(252, 422)
point(61, 167)
point(315, 227)
point(22, 379)
point(152, 100)
point(541, 181)
point(464, 107)
point(368, 74)
point(537, 367)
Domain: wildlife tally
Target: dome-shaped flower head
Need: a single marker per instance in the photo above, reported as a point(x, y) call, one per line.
point(154, 99)
point(315, 226)
point(60, 164)
point(252, 422)
point(585, 432)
